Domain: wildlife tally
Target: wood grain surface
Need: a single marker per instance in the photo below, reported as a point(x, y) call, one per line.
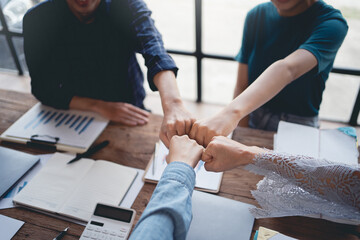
point(133, 146)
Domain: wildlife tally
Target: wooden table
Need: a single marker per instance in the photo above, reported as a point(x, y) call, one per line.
point(133, 146)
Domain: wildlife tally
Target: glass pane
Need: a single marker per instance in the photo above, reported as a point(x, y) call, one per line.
point(19, 46)
point(3, 3)
point(186, 78)
point(175, 20)
point(223, 22)
point(14, 12)
point(6, 59)
point(219, 78)
point(339, 97)
point(350, 50)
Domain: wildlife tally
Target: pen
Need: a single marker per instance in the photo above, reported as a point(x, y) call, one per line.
point(61, 235)
point(154, 159)
point(91, 150)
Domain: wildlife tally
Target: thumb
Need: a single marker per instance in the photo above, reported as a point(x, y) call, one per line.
point(164, 139)
point(206, 156)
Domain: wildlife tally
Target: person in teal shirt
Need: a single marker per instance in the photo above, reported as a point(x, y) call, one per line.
point(288, 49)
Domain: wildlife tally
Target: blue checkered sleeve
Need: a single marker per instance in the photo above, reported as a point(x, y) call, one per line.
point(149, 41)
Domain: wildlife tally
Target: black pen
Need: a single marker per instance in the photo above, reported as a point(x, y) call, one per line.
point(91, 150)
point(61, 235)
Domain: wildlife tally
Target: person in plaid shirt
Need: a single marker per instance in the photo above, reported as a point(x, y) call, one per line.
point(81, 55)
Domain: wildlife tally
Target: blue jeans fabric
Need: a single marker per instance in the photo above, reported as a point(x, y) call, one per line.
point(168, 214)
point(264, 119)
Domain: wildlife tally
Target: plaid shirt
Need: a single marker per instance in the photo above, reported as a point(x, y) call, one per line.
point(64, 55)
point(150, 45)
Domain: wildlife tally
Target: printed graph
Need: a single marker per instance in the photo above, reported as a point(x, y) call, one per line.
point(76, 122)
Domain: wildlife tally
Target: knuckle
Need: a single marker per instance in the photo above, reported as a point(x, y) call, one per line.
point(170, 124)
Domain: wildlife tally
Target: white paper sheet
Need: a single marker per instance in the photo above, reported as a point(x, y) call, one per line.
point(9, 227)
point(280, 236)
point(74, 128)
point(297, 139)
point(134, 190)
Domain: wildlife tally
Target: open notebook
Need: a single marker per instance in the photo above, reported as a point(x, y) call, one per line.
point(337, 145)
point(73, 190)
point(205, 181)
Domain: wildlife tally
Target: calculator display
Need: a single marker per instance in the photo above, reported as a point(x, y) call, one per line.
point(113, 213)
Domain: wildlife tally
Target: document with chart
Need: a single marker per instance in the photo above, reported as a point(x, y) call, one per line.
point(67, 130)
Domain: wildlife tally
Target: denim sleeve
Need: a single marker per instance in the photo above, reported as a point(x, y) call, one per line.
point(168, 214)
point(149, 41)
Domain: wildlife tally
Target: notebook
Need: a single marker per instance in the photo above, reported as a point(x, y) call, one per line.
point(13, 165)
point(268, 234)
point(205, 181)
point(73, 190)
point(65, 130)
point(336, 145)
point(219, 218)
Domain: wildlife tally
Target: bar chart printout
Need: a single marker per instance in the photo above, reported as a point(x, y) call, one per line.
point(71, 127)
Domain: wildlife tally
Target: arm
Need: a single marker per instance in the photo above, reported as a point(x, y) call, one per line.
point(121, 112)
point(318, 51)
point(168, 214)
point(333, 181)
point(51, 78)
point(161, 72)
point(242, 83)
point(177, 120)
point(265, 87)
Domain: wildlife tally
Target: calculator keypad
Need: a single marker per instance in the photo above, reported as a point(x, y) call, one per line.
point(101, 233)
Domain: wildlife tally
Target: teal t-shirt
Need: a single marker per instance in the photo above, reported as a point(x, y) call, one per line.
point(269, 37)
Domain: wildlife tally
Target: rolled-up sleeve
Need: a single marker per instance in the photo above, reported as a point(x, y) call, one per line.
point(149, 41)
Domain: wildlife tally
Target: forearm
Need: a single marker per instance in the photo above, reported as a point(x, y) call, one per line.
point(332, 181)
point(84, 104)
point(265, 87)
point(168, 214)
point(165, 81)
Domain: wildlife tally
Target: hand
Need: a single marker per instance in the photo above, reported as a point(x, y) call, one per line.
point(177, 121)
point(124, 113)
point(121, 112)
point(224, 154)
point(221, 124)
point(183, 149)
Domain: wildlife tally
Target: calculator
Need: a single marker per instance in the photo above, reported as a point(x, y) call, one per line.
point(109, 223)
